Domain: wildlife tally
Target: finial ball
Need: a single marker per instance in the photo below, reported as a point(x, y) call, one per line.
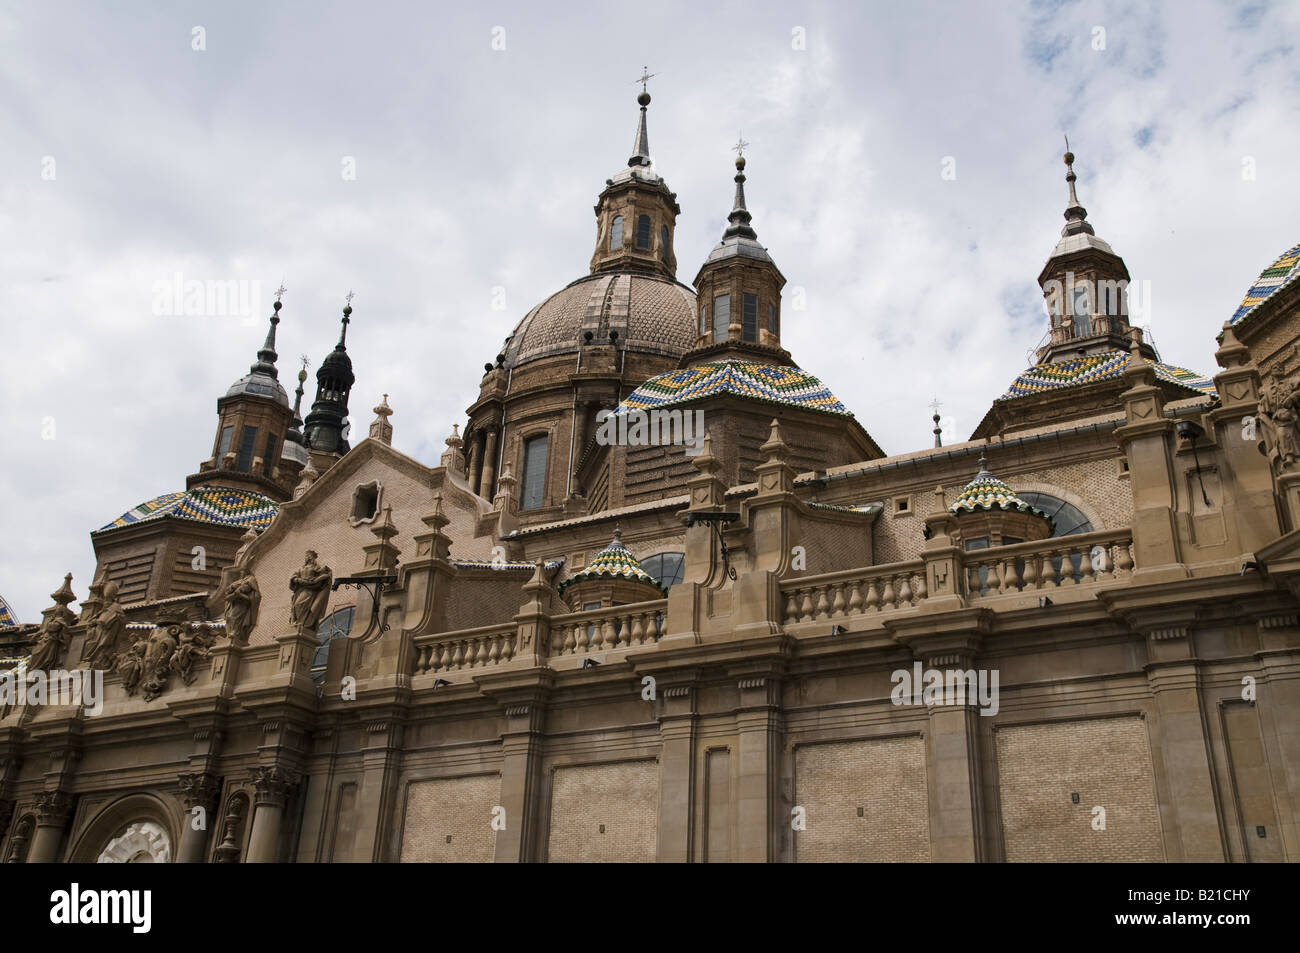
point(740, 163)
point(1069, 158)
point(643, 98)
point(277, 305)
point(347, 310)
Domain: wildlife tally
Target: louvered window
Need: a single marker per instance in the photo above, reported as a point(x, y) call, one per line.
point(532, 489)
point(721, 317)
point(749, 329)
point(247, 440)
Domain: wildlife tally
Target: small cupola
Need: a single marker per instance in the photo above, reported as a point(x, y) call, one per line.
point(613, 577)
point(989, 513)
point(334, 379)
point(636, 214)
point(1085, 287)
point(738, 288)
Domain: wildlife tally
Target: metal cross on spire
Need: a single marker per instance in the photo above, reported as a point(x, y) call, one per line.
point(645, 78)
point(306, 361)
point(741, 144)
point(349, 296)
point(280, 291)
point(935, 405)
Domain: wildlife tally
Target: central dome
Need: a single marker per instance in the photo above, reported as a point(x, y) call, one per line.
point(651, 315)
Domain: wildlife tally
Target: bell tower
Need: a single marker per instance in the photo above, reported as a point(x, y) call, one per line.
point(1085, 286)
point(253, 419)
point(738, 289)
point(636, 214)
point(324, 434)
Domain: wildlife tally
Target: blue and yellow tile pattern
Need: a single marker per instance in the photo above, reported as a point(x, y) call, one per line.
point(1098, 367)
point(205, 504)
point(1282, 272)
point(771, 383)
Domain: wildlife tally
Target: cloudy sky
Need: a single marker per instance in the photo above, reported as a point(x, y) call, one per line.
point(213, 141)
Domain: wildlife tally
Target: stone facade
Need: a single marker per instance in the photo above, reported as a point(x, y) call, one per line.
point(448, 663)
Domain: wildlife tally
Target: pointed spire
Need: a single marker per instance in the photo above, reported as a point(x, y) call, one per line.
point(641, 147)
point(347, 319)
point(266, 357)
point(63, 595)
point(1075, 214)
point(739, 219)
point(938, 430)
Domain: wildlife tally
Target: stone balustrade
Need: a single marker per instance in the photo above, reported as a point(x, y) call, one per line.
point(599, 630)
point(838, 595)
point(466, 649)
point(1064, 561)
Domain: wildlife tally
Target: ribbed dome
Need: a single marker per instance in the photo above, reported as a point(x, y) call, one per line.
point(650, 314)
point(615, 560)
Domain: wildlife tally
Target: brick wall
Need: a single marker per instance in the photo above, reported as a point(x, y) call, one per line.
point(459, 808)
point(884, 777)
point(1107, 762)
point(621, 797)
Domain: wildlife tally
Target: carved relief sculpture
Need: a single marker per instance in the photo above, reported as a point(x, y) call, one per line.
point(52, 641)
point(1279, 412)
point(157, 661)
point(243, 598)
point(194, 645)
point(130, 665)
point(311, 593)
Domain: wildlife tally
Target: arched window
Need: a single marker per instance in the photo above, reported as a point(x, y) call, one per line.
point(616, 233)
point(663, 244)
point(643, 232)
point(665, 568)
point(1067, 519)
point(532, 487)
point(721, 316)
point(336, 625)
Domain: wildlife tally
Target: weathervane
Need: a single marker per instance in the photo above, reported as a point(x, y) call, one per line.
point(279, 292)
point(645, 78)
point(350, 295)
point(739, 147)
point(935, 405)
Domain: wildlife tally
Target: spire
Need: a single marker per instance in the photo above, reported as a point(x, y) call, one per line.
point(938, 430)
point(1075, 214)
point(641, 147)
point(347, 319)
point(739, 218)
point(326, 423)
point(381, 429)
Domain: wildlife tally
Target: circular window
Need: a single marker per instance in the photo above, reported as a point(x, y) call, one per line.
point(665, 568)
point(143, 842)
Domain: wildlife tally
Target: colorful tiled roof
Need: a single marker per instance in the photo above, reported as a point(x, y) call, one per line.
point(205, 504)
point(1277, 275)
point(987, 492)
point(771, 383)
point(1108, 365)
point(7, 616)
point(614, 560)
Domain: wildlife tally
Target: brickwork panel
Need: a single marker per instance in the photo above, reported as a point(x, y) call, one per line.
point(886, 778)
point(455, 808)
point(1107, 762)
point(622, 798)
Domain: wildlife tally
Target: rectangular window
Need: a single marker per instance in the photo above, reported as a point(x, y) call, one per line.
point(247, 440)
point(1082, 312)
point(721, 317)
point(268, 457)
point(532, 488)
point(223, 445)
point(704, 319)
point(643, 232)
point(771, 318)
point(749, 325)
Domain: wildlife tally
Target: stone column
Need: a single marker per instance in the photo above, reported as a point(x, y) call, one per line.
point(956, 804)
point(758, 726)
point(488, 486)
point(677, 726)
point(521, 765)
point(476, 462)
point(196, 791)
point(273, 786)
point(53, 809)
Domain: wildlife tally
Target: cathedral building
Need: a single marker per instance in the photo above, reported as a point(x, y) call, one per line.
point(664, 598)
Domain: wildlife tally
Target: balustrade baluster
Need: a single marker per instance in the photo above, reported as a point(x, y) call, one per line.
point(855, 597)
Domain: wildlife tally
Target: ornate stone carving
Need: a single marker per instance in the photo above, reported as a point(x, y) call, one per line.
point(228, 850)
point(273, 785)
point(141, 842)
point(106, 632)
point(1279, 415)
point(311, 591)
point(157, 661)
point(243, 599)
point(130, 665)
point(52, 641)
point(53, 808)
point(197, 789)
point(195, 643)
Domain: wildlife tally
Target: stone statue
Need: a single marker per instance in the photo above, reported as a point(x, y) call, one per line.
point(106, 632)
point(52, 640)
point(242, 601)
point(130, 665)
point(1279, 411)
point(311, 593)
